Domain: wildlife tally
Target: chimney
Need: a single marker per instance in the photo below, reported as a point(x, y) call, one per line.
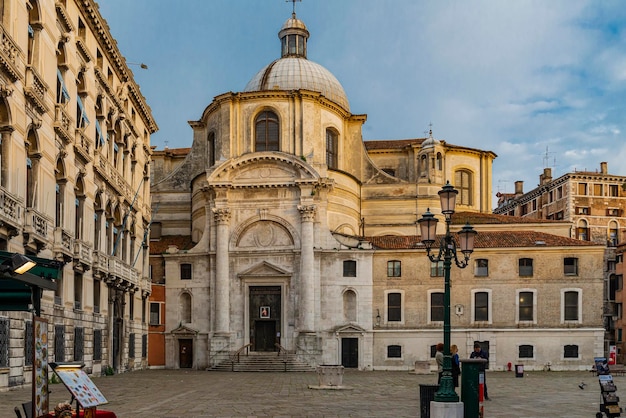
point(519, 187)
point(546, 177)
point(603, 168)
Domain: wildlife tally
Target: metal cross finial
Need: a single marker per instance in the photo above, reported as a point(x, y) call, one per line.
point(294, 5)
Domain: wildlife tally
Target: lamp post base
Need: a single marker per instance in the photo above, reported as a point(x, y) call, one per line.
point(446, 409)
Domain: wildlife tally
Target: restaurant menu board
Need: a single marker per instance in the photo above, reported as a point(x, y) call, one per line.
point(81, 386)
point(40, 366)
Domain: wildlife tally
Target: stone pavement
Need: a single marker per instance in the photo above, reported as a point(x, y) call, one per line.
point(186, 393)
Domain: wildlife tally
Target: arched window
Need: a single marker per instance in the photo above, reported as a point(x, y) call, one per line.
point(349, 306)
point(97, 222)
point(34, 25)
point(32, 169)
point(60, 194)
point(463, 183)
point(332, 146)
point(613, 228)
point(423, 166)
point(210, 148)
point(439, 161)
point(582, 231)
point(185, 308)
point(266, 132)
point(4, 144)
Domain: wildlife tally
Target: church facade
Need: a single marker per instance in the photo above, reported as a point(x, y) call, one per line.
point(281, 228)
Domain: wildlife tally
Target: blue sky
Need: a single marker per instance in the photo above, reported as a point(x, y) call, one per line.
point(540, 83)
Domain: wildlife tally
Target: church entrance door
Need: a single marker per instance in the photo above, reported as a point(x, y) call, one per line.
point(185, 354)
point(350, 352)
point(265, 332)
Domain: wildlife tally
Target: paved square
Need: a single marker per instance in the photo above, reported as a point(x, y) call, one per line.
point(185, 393)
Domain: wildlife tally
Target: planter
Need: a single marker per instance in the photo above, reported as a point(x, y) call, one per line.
point(330, 375)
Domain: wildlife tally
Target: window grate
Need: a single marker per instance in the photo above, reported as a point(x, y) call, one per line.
point(4, 342)
point(28, 344)
point(59, 343)
point(570, 351)
point(97, 344)
point(144, 346)
point(79, 343)
point(131, 345)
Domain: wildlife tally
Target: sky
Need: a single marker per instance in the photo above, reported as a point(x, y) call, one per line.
point(540, 83)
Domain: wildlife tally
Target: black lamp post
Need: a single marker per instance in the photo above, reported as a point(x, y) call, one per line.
point(447, 252)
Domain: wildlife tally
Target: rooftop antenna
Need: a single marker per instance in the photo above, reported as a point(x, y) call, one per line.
point(546, 158)
point(505, 182)
point(429, 132)
point(294, 5)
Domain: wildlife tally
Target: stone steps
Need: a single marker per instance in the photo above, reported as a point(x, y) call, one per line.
point(265, 362)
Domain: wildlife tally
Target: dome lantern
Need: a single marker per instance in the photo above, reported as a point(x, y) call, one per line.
point(293, 36)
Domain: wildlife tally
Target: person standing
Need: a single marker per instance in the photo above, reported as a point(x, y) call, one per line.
point(456, 364)
point(479, 353)
point(439, 360)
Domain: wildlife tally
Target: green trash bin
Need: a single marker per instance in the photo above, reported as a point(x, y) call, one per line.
point(427, 394)
point(472, 369)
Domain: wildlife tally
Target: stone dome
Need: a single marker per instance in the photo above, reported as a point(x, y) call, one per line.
point(293, 71)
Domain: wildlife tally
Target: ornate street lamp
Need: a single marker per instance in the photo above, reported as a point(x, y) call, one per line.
point(447, 252)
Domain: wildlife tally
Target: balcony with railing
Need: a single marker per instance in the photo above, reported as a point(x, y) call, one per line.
point(10, 56)
point(63, 123)
point(123, 271)
point(114, 178)
point(11, 207)
point(83, 145)
point(36, 227)
point(62, 246)
point(35, 89)
point(82, 254)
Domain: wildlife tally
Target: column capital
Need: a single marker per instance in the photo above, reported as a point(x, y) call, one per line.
point(221, 215)
point(307, 212)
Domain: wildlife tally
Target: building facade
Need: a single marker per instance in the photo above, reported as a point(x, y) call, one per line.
point(74, 185)
point(594, 202)
point(303, 237)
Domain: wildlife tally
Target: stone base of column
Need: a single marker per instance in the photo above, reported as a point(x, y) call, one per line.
point(446, 409)
point(220, 345)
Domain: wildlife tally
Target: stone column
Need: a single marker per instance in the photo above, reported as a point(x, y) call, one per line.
point(222, 293)
point(307, 276)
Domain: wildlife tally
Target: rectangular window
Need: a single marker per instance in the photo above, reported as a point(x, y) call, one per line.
point(144, 346)
point(526, 304)
point(394, 351)
point(570, 351)
point(433, 351)
point(4, 342)
point(28, 344)
point(619, 335)
point(131, 345)
point(482, 267)
point(59, 343)
point(185, 271)
point(97, 344)
point(481, 306)
point(613, 190)
point(96, 296)
point(436, 306)
point(79, 343)
point(582, 189)
point(78, 291)
point(394, 307)
point(597, 190)
point(571, 306)
point(582, 210)
point(394, 268)
point(332, 141)
point(559, 192)
point(436, 269)
point(570, 266)
point(349, 268)
point(155, 313)
point(526, 351)
point(525, 266)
